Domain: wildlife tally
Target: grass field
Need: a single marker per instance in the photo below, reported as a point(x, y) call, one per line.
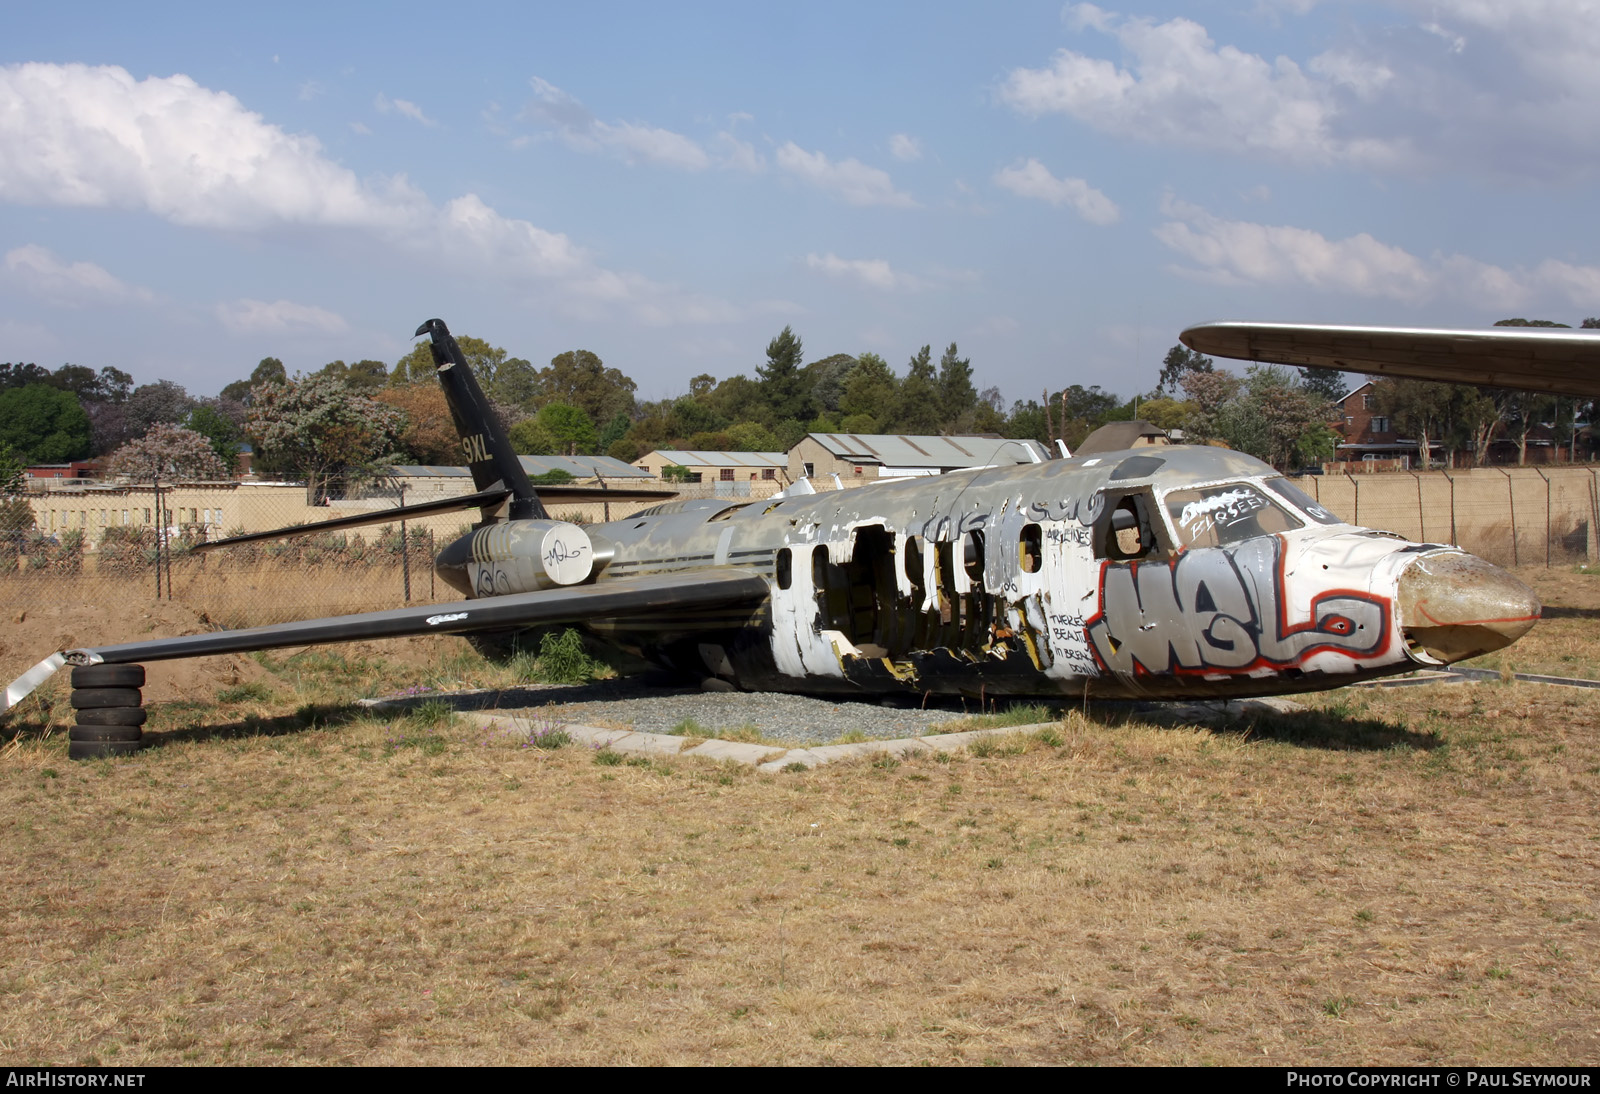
point(1397, 876)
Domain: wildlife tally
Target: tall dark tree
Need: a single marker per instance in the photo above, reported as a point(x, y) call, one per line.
point(957, 396)
point(826, 379)
point(1326, 385)
point(782, 384)
point(1178, 363)
point(580, 378)
point(919, 410)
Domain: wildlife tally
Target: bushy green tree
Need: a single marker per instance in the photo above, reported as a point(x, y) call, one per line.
point(43, 424)
point(918, 408)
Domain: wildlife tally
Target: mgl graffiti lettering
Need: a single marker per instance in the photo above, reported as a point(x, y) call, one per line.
point(1213, 609)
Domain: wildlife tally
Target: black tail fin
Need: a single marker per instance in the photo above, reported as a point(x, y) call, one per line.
point(483, 441)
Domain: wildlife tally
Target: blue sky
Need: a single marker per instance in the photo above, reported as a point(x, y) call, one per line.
point(188, 188)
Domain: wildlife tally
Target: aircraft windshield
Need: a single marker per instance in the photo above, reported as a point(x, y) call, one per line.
point(1302, 501)
point(1217, 515)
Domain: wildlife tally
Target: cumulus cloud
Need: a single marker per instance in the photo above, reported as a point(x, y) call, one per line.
point(278, 317)
point(68, 284)
point(403, 107)
point(94, 137)
point(1033, 179)
point(851, 180)
point(1428, 85)
point(875, 273)
point(1234, 252)
point(903, 146)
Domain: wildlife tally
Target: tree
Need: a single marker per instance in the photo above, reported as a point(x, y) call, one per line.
point(317, 429)
point(268, 371)
point(783, 386)
point(16, 515)
point(826, 379)
point(568, 427)
point(429, 435)
point(162, 402)
point(871, 390)
point(1325, 384)
point(919, 409)
point(221, 432)
point(580, 378)
point(20, 375)
point(957, 396)
point(43, 424)
point(168, 452)
point(1179, 362)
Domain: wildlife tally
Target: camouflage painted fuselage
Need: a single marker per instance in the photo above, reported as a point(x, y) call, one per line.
point(1011, 582)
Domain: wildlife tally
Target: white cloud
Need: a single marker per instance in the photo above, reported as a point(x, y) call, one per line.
point(852, 180)
point(403, 107)
point(1234, 252)
point(903, 146)
point(279, 317)
point(630, 142)
point(875, 273)
point(1033, 180)
point(738, 155)
point(1430, 85)
point(68, 284)
point(73, 135)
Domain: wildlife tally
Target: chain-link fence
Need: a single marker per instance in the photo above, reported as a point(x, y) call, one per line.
point(1514, 516)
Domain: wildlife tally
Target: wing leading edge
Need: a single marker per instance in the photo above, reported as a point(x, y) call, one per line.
point(1559, 362)
point(624, 597)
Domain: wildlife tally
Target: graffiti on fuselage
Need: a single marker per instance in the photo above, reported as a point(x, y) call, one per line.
point(1219, 510)
point(1085, 509)
point(1217, 610)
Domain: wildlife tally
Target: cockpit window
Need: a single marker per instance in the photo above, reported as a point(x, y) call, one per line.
point(1217, 515)
point(1302, 501)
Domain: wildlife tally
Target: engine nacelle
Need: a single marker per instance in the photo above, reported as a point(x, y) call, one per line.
point(518, 556)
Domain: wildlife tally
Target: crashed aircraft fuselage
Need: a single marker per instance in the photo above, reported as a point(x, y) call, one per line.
point(1157, 572)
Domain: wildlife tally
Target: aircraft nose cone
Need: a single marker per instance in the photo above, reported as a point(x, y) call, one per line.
point(1454, 606)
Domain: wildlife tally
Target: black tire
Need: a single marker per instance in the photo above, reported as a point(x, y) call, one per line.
point(94, 750)
point(113, 716)
point(105, 697)
point(108, 676)
point(105, 733)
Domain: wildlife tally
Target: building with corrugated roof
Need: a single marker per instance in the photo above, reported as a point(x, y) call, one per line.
point(862, 457)
point(705, 466)
point(424, 482)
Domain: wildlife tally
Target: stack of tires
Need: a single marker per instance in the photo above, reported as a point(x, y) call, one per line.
point(109, 710)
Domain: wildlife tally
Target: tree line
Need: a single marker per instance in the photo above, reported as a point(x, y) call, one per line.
point(342, 421)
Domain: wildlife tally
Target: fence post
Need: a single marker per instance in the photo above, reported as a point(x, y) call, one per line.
point(1546, 479)
point(1422, 524)
point(1355, 517)
point(155, 485)
point(1511, 496)
point(1454, 539)
point(405, 547)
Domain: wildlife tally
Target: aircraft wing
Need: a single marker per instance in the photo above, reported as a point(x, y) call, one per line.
point(375, 516)
point(1560, 362)
point(661, 595)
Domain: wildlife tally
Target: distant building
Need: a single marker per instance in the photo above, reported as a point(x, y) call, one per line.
point(77, 469)
point(1368, 436)
point(423, 482)
point(863, 457)
point(703, 466)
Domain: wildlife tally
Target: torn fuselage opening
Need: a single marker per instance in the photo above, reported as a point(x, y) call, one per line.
point(940, 603)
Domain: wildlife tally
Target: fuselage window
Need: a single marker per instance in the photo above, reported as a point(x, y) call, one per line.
point(819, 567)
point(913, 562)
point(973, 556)
point(785, 568)
point(1218, 515)
point(1030, 549)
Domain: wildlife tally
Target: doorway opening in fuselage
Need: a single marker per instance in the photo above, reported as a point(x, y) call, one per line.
point(861, 598)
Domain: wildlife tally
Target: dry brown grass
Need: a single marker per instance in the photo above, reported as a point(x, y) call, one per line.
point(1402, 876)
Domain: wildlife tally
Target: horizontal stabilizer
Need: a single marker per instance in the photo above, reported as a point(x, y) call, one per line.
point(1560, 362)
point(377, 516)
